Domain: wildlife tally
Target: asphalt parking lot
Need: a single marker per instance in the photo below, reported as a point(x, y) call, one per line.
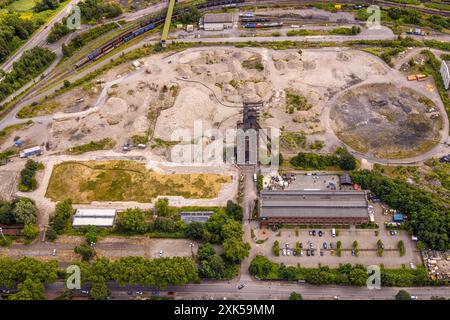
point(367, 242)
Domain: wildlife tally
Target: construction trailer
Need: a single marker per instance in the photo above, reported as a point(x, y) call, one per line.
point(35, 151)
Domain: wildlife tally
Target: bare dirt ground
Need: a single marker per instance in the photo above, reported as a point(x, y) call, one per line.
point(385, 119)
point(171, 92)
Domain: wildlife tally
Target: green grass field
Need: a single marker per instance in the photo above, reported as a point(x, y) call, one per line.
point(22, 5)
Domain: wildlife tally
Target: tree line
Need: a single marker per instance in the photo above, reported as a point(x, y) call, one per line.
point(428, 215)
point(341, 158)
point(13, 32)
point(91, 10)
point(345, 274)
point(32, 63)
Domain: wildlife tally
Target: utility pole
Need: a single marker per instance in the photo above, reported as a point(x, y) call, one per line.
point(1, 231)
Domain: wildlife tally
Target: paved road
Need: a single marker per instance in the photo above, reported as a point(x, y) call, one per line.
point(262, 290)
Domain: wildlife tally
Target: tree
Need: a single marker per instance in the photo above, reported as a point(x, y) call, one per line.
point(205, 251)
point(276, 248)
point(234, 210)
point(339, 248)
point(132, 220)
point(30, 232)
point(232, 229)
point(86, 252)
point(235, 250)
point(99, 291)
point(63, 212)
point(162, 207)
point(355, 247)
point(91, 236)
point(190, 15)
point(6, 214)
point(401, 248)
point(346, 160)
point(260, 266)
point(67, 83)
point(213, 267)
point(50, 234)
point(30, 289)
point(403, 295)
point(25, 211)
point(295, 296)
point(195, 230)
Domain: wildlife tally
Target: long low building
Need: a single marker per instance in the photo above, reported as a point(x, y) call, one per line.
point(101, 218)
point(292, 207)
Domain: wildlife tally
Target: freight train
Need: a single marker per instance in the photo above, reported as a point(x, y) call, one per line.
point(144, 27)
point(263, 25)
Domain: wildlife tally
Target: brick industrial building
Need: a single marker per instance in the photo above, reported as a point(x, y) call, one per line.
point(293, 207)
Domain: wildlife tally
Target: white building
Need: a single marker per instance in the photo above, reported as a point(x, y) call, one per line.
point(217, 21)
point(445, 73)
point(35, 151)
point(101, 218)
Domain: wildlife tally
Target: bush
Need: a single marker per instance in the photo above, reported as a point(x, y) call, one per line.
point(86, 252)
point(401, 248)
point(99, 291)
point(403, 295)
point(50, 234)
point(132, 221)
point(30, 232)
point(295, 296)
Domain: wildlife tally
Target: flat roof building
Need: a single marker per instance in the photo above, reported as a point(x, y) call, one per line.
point(101, 218)
point(294, 207)
point(197, 216)
point(217, 21)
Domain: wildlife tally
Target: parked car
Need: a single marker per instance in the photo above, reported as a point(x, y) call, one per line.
point(308, 252)
point(321, 253)
point(331, 245)
point(288, 252)
point(84, 291)
point(320, 233)
point(139, 293)
point(54, 252)
point(353, 252)
point(301, 253)
point(414, 298)
point(301, 245)
point(312, 252)
point(240, 286)
point(161, 253)
point(294, 252)
point(411, 265)
point(324, 245)
point(314, 233)
point(287, 245)
point(310, 232)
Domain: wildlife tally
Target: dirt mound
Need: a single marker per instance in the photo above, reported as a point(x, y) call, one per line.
point(113, 110)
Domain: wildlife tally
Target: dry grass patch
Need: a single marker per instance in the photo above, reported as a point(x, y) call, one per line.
point(89, 181)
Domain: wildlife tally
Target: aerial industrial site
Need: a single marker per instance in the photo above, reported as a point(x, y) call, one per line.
point(225, 150)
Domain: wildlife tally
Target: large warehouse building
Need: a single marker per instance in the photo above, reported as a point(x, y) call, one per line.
point(216, 21)
point(294, 207)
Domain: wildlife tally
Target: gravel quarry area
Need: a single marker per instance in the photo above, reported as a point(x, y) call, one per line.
point(161, 99)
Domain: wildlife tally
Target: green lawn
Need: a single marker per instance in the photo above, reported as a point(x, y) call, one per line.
point(22, 5)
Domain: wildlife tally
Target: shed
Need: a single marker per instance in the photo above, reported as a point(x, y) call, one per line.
point(197, 216)
point(345, 179)
point(101, 218)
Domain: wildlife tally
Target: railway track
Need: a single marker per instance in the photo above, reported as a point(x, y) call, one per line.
point(361, 2)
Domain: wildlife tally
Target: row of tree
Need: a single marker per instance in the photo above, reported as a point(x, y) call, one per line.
point(32, 63)
point(346, 274)
point(13, 32)
point(341, 158)
point(27, 175)
point(28, 275)
point(428, 215)
point(91, 10)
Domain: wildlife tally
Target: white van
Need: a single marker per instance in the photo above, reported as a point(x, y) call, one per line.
point(333, 232)
point(255, 178)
